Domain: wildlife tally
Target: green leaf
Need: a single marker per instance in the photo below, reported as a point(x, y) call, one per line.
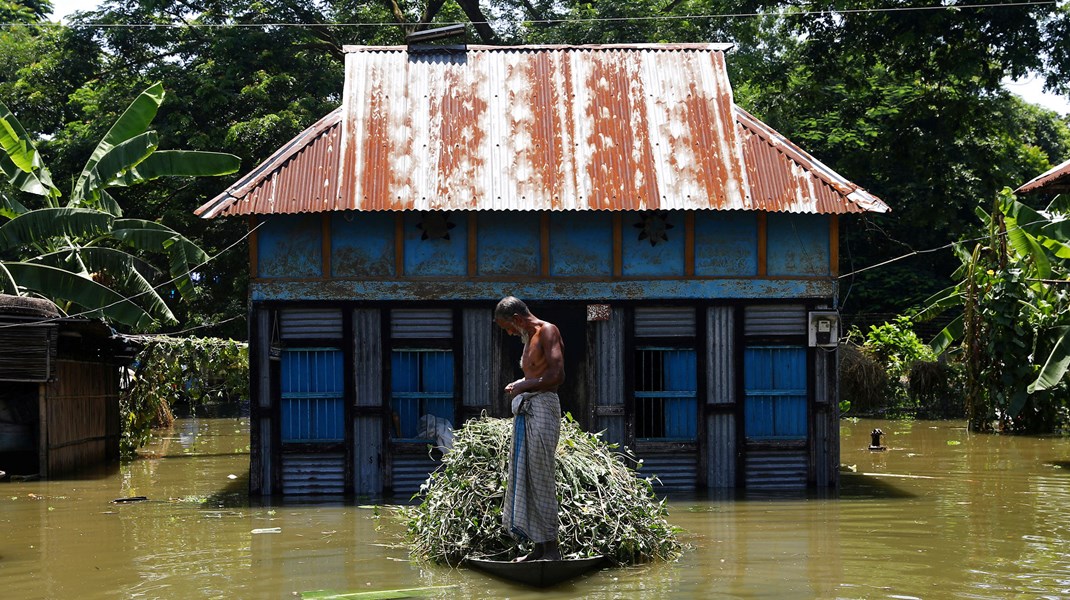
point(133, 122)
point(376, 595)
point(110, 168)
point(10, 207)
point(947, 336)
point(1057, 363)
point(97, 299)
point(182, 254)
point(19, 161)
point(1028, 248)
point(43, 224)
point(939, 302)
point(181, 163)
point(109, 205)
point(123, 268)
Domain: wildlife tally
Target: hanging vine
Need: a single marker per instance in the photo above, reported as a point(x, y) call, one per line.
point(170, 370)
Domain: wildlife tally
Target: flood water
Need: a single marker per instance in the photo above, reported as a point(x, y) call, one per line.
point(941, 514)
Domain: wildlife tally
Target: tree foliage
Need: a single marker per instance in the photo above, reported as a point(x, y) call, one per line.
point(1013, 291)
point(81, 253)
point(169, 370)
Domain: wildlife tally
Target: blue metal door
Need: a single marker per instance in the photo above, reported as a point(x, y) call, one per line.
point(775, 386)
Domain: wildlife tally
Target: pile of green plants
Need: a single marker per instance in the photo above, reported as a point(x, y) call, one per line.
point(169, 370)
point(605, 508)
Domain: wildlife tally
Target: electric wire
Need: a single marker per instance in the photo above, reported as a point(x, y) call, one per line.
point(385, 24)
point(131, 297)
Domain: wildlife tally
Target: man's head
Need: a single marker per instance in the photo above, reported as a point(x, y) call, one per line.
point(510, 313)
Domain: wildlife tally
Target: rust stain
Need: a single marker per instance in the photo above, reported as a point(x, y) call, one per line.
point(372, 195)
point(622, 127)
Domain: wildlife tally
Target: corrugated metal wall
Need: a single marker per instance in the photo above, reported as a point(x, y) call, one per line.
point(825, 454)
point(480, 360)
point(261, 459)
point(665, 321)
point(606, 349)
point(319, 323)
point(368, 386)
point(721, 450)
point(421, 323)
point(774, 320)
point(309, 474)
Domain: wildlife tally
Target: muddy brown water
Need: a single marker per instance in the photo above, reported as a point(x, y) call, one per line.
point(941, 514)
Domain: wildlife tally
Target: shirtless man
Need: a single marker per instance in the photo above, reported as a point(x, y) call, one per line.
point(530, 510)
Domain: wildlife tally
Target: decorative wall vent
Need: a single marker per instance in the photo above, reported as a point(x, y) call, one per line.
point(653, 225)
point(435, 225)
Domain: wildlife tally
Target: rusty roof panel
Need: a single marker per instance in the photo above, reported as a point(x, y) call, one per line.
point(554, 128)
point(622, 127)
point(784, 178)
point(302, 176)
point(1055, 180)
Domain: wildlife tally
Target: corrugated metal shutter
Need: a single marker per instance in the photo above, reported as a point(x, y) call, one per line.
point(774, 379)
point(421, 323)
point(665, 321)
point(721, 355)
point(313, 474)
point(676, 472)
point(775, 320)
point(607, 375)
point(480, 365)
point(721, 450)
point(319, 323)
point(410, 471)
point(367, 429)
point(776, 469)
point(29, 352)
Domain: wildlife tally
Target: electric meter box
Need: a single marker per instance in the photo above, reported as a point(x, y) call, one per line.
point(824, 328)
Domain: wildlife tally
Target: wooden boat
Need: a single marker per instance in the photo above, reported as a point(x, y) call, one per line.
point(537, 573)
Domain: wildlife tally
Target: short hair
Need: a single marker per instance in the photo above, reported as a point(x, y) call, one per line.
point(509, 306)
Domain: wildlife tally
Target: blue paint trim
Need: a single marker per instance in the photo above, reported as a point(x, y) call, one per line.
point(703, 289)
point(508, 244)
point(436, 257)
point(290, 246)
point(639, 258)
point(362, 245)
point(726, 244)
point(581, 244)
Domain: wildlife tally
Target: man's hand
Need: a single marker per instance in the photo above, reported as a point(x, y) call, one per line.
point(513, 388)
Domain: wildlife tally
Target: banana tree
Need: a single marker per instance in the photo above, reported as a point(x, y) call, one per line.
point(79, 251)
point(1013, 291)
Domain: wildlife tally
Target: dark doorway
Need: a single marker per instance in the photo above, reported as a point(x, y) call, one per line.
point(571, 320)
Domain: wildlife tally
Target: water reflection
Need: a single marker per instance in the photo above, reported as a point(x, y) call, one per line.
point(940, 513)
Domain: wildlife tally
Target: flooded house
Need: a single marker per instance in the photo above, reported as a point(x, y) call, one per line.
point(687, 252)
point(59, 390)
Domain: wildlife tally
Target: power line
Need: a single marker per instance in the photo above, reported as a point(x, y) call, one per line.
point(384, 24)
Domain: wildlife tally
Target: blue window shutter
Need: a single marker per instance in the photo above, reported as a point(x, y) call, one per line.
point(775, 386)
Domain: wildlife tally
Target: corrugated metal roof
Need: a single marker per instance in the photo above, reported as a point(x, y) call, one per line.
point(625, 127)
point(784, 178)
point(1055, 180)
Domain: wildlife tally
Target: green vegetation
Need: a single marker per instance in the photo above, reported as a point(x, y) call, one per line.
point(1013, 292)
point(81, 254)
point(195, 371)
point(605, 508)
point(891, 372)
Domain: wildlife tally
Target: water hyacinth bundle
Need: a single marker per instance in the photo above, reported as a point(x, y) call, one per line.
point(605, 508)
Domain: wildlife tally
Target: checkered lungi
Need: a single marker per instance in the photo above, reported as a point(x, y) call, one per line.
point(530, 510)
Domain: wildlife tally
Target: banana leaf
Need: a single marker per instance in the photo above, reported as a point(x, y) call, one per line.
point(97, 299)
point(116, 161)
point(124, 268)
point(19, 161)
point(182, 254)
point(947, 336)
point(180, 163)
point(376, 595)
point(133, 122)
point(39, 226)
point(1056, 365)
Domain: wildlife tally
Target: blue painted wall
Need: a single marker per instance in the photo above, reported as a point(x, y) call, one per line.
point(362, 244)
point(726, 243)
point(508, 257)
point(797, 244)
point(290, 247)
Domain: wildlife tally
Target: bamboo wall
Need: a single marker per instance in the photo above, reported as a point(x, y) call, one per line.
point(79, 417)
